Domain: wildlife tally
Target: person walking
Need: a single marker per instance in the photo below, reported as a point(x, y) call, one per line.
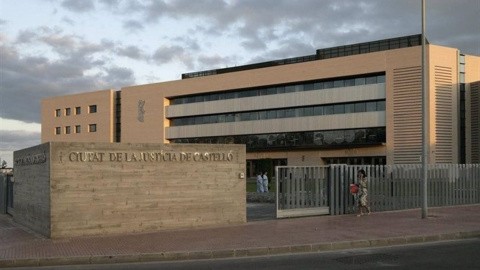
point(265, 182)
point(259, 182)
point(363, 193)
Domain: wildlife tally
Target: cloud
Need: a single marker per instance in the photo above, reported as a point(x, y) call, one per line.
point(12, 140)
point(133, 26)
point(132, 52)
point(78, 6)
point(70, 65)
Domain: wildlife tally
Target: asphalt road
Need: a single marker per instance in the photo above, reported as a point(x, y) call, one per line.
point(456, 255)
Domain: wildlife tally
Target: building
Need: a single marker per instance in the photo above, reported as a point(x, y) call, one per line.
point(354, 104)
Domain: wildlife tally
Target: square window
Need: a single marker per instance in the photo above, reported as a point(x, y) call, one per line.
point(58, 130)
point(67, 130)
point(78, 129)
point(68, 111)
point(92, 108)
point(57, 113)
point(78, 110)
point(92, 128)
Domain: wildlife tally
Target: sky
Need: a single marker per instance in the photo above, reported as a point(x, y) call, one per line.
point(61, 47)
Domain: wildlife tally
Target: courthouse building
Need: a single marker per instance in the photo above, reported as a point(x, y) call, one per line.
point(352, 104)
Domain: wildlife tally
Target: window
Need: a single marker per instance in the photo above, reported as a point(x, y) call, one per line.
point(339, 109)
point(318, 110)
point(381, 105)
point(290, 89)
point(349, 108)
point(92, 108)
point(318, 85)
point(271, 114)
point(359, 107)
point(371, 106)
point(372, 80)
point(359, 81)
point(92, 128)
point(328, 85)
point(328, 109)
point(68, 111)
point(350, 82)
point(57, 113)
point(78, 110)
point(58, 130)
point(308, 111)
point(67, 130)
point(289, 113)
point(338, 83)
point(78, 129)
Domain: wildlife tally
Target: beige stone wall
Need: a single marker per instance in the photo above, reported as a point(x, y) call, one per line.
point(31, 190)
point(102, 188)
point(104, 118)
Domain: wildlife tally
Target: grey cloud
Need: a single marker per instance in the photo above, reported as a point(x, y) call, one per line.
point(210, 62)
point(259, 24)
point(110, 3)
point(38, 77)
point(26, 36)
point(133, 25)
point(166, 54)
point(132, 52)
point(78, 6)
point(12, 140)
point(119, 76)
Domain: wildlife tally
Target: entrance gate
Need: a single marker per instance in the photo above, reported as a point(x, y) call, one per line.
point(302, 191)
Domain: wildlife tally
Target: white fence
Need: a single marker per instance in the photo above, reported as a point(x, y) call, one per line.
point(325, 189)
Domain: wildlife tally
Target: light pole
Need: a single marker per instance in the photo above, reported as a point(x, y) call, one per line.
point(424, 121)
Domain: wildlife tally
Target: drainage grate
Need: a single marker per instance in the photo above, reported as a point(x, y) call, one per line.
point(367, 258)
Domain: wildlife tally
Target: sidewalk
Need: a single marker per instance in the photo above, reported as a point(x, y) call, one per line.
point(19, 247)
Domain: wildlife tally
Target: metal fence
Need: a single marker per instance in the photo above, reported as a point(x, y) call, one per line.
point(302, 191)
point(325, 189)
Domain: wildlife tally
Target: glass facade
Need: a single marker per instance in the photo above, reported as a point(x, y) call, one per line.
point(341, 108)
point(281, 89)
point(299, 140)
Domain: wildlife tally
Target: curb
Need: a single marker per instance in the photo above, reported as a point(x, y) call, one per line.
point(234, 253)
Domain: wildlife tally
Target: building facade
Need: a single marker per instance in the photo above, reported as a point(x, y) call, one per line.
point(353, 104)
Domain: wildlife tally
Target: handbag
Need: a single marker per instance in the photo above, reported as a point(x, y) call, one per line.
point(353, 189)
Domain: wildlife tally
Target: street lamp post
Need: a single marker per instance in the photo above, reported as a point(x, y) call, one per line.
point(424, 121)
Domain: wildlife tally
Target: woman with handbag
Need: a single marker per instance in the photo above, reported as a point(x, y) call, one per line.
point(362, 195)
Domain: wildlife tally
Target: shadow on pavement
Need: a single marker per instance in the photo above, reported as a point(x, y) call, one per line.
point(260, 211)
